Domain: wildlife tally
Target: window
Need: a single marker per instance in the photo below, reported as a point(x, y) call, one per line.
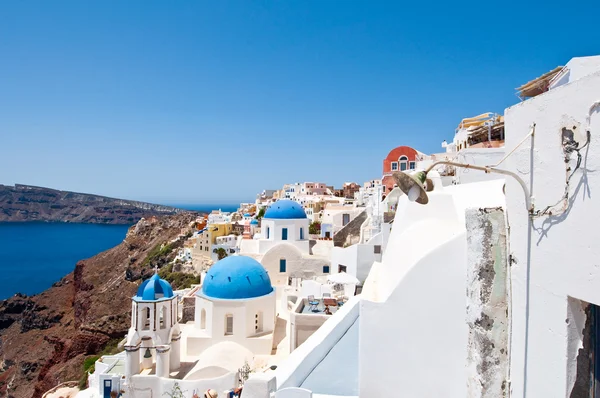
point(282, 265)
point(301, 233)
point(283, 233)
point(412, 165)
point(403, 163)
point(228, 324)
point(345, 219)
point(394, 166)
point(341, 268)
point(326, 269)
point(377, 249)
point(268, 232)
point(203, 319)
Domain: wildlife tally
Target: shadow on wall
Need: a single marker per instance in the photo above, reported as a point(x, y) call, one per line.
point(552, 220)
point(311, 244)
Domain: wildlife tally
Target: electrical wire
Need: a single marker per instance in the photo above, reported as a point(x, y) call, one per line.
point(569, 149)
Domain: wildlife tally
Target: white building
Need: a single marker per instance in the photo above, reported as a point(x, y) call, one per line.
point(218, 217)
point(236, 304)
point(234, 324)
point(283, 247)
point(481, 293)
point(336, 217)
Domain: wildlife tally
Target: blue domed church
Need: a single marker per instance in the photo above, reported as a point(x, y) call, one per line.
point(236, 303)
point(154, 335)
point(283, 247)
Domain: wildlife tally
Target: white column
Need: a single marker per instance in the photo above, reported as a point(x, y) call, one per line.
point(132, 361)
point(153, 317)
point(162, 360)
point(133, 314)
point(176, 351)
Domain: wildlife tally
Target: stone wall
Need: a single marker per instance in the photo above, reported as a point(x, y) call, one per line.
point(350, 234)
point(189, 306)
point(487, 303)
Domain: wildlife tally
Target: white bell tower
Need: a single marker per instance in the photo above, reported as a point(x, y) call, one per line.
point(154, 334)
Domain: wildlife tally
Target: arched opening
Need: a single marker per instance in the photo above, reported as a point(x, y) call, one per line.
point(258, 322)
point(146, 318)
point(161, 320)
point(203, 319)
point(403, 161)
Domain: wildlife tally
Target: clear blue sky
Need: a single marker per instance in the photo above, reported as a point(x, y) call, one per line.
point(212, 101)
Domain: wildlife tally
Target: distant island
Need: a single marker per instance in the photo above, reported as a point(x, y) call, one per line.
point(30, 203)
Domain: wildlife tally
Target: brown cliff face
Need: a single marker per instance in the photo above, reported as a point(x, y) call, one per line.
point(45, 338)
point(29, 203)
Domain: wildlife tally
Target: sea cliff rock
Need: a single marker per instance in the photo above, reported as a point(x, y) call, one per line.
point(30, 203)
point(44, 339)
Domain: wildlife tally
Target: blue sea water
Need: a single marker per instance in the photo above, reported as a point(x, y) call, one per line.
point(35, 255)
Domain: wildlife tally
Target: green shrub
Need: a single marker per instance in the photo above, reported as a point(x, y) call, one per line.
point(158, 252)
point(178, 280)
point(314, 228)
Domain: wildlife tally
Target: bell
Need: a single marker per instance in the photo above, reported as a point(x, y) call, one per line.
point(413, 185)
point(147, 354)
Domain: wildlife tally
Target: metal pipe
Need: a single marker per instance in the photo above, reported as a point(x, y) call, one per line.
point(488, 169)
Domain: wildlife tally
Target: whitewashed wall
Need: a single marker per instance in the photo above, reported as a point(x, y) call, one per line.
point(297, 264)
point(357, 258)
point(558, 256)
point(243, 312)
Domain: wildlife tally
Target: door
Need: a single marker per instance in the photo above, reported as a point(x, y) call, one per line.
point(107, 388)
point(283, 233)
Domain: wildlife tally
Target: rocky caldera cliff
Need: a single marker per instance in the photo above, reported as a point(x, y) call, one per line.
point(29, 203)
point(44, 339)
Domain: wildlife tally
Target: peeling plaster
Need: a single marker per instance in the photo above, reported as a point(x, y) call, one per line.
point(487, 303)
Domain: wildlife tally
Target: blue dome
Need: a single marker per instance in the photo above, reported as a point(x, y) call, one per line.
point(247, 215)
point(254, 222)
point(285, 209)
point(154, 289)
point(236, 277)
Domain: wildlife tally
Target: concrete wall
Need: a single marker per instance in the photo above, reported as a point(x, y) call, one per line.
point(554, 256)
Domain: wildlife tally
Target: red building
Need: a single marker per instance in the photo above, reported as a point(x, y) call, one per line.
point(399, 159)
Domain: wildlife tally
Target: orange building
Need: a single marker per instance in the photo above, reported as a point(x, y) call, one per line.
point(399, 159)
